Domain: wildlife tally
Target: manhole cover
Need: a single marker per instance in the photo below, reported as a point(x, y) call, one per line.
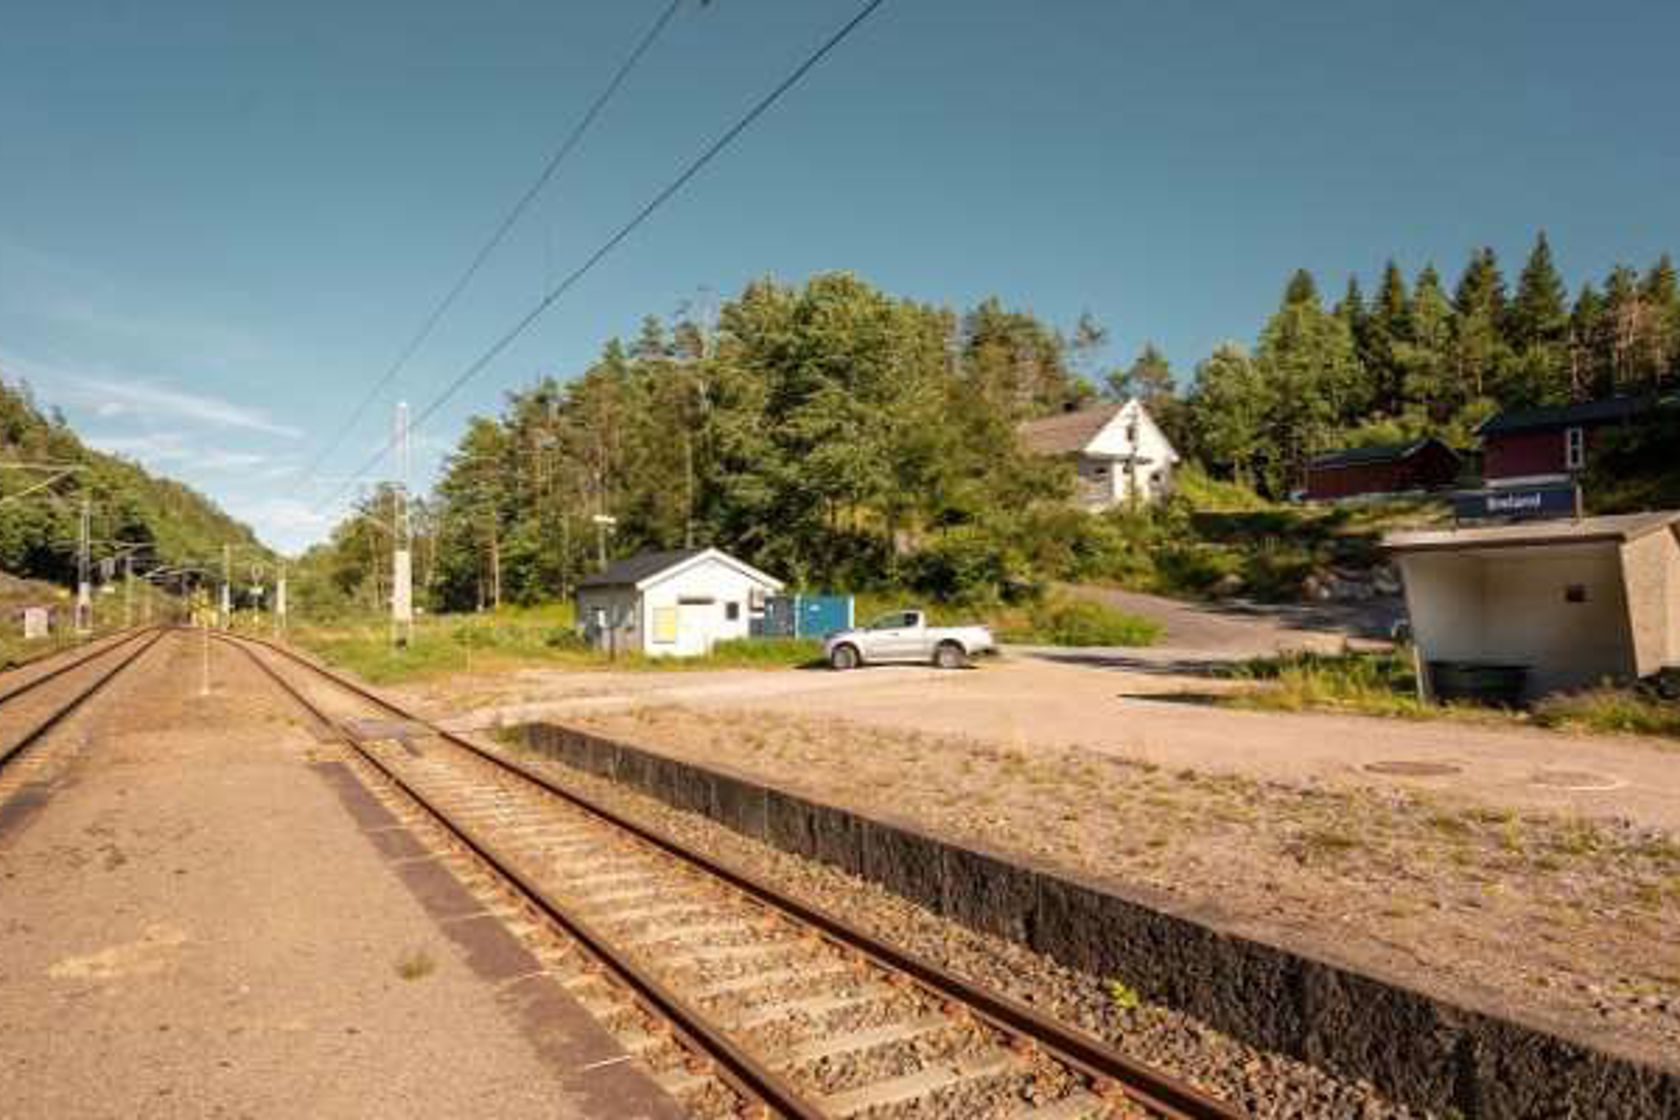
point(1576, 780)
point(1408, 768)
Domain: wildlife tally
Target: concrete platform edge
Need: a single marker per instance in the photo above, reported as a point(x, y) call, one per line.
point(1417, 1048)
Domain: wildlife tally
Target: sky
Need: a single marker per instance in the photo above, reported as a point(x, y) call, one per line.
point(222, 220)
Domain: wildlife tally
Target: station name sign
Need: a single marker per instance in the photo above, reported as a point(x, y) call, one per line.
point(1516, 504)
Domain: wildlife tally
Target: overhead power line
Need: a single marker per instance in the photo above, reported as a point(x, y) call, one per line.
point(688, 173)
point(509, 220)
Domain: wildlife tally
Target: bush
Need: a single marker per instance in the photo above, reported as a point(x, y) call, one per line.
point(1081, 622)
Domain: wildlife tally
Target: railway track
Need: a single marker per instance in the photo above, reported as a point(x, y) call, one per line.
point(793, 1010)
point(85, 676)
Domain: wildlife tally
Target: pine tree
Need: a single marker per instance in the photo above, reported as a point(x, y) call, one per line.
point(1537, 330)
point(1301, 289)
point(1661, 295)
point(1625, 322)
point(1479, 348)
point(1589, 373)
point(1388, 331)
point(1538, 316)
point(1425, 358)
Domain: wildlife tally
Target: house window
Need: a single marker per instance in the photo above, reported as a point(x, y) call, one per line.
point(1574, 448)
point(732, 611)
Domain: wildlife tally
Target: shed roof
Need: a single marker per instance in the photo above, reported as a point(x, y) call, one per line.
point(1610, 410)
point(646, 567)
point(634, 569)
point(1614, 528)
point(1067, 431)
point(1384, 453)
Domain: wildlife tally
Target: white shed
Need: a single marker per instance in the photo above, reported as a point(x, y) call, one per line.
point(672, 604)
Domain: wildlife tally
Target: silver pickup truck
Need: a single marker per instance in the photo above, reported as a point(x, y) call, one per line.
point(906, 636)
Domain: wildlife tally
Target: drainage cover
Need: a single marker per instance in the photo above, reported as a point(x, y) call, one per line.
point(1411, 768)
point(1576, 780)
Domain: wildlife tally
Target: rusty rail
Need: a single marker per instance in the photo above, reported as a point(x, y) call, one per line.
point(59, 715)
point(1150, 1087)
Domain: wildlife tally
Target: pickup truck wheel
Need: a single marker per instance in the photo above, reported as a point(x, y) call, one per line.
point(843, 657)
point(950, 655)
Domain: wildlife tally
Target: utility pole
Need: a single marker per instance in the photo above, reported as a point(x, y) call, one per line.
point(280, 601)
point(402, 556)
point(84, 585)
point(226, 613)
point(603, 522)
point(128, 590)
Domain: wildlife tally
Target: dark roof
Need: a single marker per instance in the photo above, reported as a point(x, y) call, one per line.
point(1608, 411)
point(1066, 431)
point(1384, 453)
point(634, 569)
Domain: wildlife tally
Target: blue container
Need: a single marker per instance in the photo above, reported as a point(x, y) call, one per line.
point(818, 616)
point(803, 616)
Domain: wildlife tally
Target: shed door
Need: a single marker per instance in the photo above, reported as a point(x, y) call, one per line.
point(696, 623)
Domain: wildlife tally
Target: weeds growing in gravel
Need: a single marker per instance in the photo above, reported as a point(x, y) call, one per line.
point(415, 964)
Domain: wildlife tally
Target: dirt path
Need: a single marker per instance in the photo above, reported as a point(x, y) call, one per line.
point(193, 925)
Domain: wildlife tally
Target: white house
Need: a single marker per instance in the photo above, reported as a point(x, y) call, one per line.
point(1118, 450)
point(672, 604)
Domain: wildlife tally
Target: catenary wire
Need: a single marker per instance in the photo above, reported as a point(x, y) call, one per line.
point(509, 220)
point(695, 166)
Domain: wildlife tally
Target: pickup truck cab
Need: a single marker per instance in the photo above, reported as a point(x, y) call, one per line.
point(906, 636)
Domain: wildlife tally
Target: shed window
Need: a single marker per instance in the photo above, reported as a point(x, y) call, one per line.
point(1574, 448)
point(732, 611)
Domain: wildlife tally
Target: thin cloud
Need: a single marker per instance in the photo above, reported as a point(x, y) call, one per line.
point(108, 397)
point(160, 448)
point(114, 394)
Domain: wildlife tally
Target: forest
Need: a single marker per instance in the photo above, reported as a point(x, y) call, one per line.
point(38, 523)
point(844, 437)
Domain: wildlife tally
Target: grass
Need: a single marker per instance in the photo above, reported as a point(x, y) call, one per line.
point(1063, 621)
point(1385, 684)
point(508, 639)
point(415, 964)
point(1613, 710)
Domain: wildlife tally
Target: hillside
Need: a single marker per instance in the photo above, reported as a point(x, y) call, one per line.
point(129, 504)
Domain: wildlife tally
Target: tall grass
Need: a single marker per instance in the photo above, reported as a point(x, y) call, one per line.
point(508, 639)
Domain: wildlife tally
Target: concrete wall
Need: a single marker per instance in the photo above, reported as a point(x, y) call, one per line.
point(1420, 1049)
point(1512, 606)
point(1651, 572)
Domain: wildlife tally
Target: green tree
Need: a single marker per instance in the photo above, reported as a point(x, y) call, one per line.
point(1306, 358)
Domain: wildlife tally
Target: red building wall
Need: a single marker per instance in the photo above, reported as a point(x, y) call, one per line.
point(1431, 468)
point(1517, 454)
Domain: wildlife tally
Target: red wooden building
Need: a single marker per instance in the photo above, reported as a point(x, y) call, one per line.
point(1402, 468)
point(1536, 446)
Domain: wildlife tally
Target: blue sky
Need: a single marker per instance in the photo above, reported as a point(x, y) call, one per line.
point(220, 220)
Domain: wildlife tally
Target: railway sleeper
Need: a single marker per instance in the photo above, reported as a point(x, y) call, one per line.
point(936, 1077)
